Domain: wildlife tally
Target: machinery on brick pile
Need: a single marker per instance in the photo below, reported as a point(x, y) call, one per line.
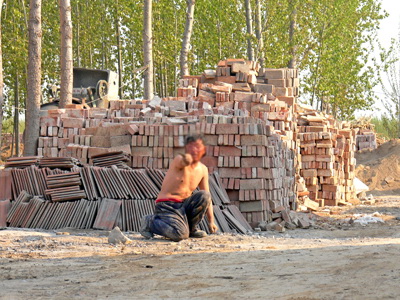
point(92, 88)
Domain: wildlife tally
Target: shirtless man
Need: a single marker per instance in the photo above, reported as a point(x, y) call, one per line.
point(178, 211)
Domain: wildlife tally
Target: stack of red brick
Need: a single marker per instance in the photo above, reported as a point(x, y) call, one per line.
point(251, 158)
point(327, 158)
point(249, 120)
point(366, 139)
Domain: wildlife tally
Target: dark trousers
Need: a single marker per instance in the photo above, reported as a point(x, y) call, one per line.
point(177, 220)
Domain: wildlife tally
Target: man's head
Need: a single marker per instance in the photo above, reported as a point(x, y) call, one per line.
point(195, 147)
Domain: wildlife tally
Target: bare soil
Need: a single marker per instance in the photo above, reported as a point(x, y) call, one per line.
point(335, 259)
point(380, 168)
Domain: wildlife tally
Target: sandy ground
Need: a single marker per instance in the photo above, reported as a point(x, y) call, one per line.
point(335, 259)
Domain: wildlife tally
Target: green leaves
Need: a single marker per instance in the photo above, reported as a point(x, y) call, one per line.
point(332, 42)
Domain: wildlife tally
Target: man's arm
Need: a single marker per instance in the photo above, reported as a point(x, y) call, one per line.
point(183, 160)
point(203, 185)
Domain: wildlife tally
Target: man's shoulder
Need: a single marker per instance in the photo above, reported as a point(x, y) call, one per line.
point(203, 167)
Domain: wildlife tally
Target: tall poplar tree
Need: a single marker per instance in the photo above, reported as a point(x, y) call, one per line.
point(66, 53)
point(148, 49)
point(186, 37)
point(1, 79)
point(249, 25)
point(34, 78)
point(259, 31)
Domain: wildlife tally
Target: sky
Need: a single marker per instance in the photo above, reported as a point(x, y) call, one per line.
point(390, 25)
point(389, 28)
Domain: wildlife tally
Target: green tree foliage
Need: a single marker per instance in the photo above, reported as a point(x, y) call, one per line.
point(391, 86)
point(332, 42)
point(15, 48)
point(386, 126)
point(337, 65)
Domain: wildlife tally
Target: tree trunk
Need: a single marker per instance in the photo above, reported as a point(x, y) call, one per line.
point(120, 90)
point(293, 48)
point(166, 92)
point(1, 80)
point(133, 73)
point(78, 35)
point(34, 78)
point(186, 37)
point(250, 53)
point(260, 48)
point(66, 53)
point(148, 50)
point(16, 116)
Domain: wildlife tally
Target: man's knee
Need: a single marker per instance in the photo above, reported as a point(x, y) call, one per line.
point(204, 196)
point(171, 228)
point(178, 235)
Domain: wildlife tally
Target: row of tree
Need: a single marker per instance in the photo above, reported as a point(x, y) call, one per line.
point(328, 40)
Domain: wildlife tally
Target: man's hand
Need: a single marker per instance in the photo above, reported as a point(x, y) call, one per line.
point(212, 227)
point(186, 159)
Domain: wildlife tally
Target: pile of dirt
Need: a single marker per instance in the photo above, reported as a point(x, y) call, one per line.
point(5, 153)
point(380, 168)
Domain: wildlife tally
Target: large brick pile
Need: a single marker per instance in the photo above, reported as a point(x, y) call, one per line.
point(249, 118)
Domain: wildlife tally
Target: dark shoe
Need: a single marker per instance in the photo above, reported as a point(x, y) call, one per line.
point(145, 228)
point(198, 234)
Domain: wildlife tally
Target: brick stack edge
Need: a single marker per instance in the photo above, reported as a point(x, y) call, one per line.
point(248, 116)
point(327, 150)
point(365, 139)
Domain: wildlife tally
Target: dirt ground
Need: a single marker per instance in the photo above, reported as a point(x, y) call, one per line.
point(380, 168)
point(339, 257)
point(335, 259)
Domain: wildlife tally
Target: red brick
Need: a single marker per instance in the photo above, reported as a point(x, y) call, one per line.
point(231, 61)
point(281, 92)
point(243, 96)
point(253, 140)
point(288, 100)
point(252, 184)
point(240, 67)
point(142, 151)
point(73, 122)
point(227, 79)
point(275, 73)
point(264, 88)
point(226, 128)
point(50, 121)
point(242, 87)
point(210, 162)
point(253, 162)
point(277, 82)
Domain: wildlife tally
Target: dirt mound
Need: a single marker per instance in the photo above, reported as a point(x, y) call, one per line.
point(5, 153)
point(380, 168)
